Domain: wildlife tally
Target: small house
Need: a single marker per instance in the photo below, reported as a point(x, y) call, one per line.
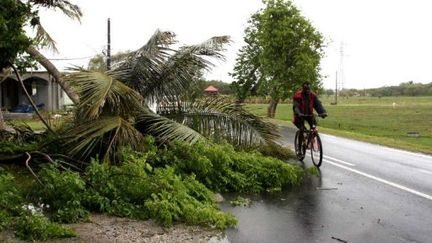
point(44, 91)
point(211, 90)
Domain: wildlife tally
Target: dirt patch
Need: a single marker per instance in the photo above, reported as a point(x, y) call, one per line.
point(107, 229)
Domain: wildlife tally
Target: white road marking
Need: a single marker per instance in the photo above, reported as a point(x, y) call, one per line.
point(404, 188)
point(425, 171)
point(417, 154)
point(338, 160)
point(421, 155)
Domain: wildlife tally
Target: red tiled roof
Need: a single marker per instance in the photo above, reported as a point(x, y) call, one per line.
point(211, 89)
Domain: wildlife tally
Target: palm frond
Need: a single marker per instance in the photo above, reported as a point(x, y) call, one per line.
point(103, 136)
point(183, 68)
point(44, 39)
point(165, 129)
point(101, 92)
point(217, 119)
point(69, 9)
point(146, 63)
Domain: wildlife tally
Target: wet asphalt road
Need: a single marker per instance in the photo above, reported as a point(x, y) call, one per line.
point(366, 193)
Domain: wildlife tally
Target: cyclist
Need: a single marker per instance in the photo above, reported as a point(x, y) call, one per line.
point(304, 101)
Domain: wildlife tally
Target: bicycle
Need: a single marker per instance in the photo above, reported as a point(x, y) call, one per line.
point(309, 139)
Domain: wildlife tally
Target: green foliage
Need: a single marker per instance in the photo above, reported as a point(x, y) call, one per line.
point(5, 220)
point(196, 91)
point(404, 89)
point(13, 40)
point(26, 224)
point(247, 73)
point(277, 151)
point(313, 170)
point(175, 202)
point(62, 191)
point(134, 189)
point(10, 199)
point(282, 50)
point(221, 168)
point(240, 201)
point(11, 148)
point(38, 227)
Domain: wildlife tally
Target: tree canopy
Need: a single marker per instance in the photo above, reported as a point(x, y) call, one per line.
point(13, 39)
point(283, 49)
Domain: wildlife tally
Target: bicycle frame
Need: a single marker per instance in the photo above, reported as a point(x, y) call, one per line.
point(309, 140)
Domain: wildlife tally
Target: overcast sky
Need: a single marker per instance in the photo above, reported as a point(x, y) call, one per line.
point(384, 42)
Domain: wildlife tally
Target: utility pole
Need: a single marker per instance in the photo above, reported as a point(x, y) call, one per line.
point(109, 46)
point(341, 65)
point(336, 90)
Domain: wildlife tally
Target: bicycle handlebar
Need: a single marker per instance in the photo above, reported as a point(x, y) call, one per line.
point(313, 115)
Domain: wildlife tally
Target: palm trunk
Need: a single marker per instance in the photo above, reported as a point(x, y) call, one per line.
point(271, 109)
point(54, 72)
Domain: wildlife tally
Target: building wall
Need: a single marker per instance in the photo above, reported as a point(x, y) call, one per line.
point(41, 88)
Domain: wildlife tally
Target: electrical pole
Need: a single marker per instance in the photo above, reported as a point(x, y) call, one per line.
point(109, 46)
point(341, 65)
point(336, 90)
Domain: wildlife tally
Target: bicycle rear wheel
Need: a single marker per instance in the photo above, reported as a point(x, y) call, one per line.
point(298, 146)
point(316, 150)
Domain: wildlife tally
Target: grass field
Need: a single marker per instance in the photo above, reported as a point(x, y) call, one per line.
point(385, 121)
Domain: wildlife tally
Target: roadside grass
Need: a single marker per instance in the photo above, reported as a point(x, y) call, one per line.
point(37, 125)
point(34, 124)
point(372, 119)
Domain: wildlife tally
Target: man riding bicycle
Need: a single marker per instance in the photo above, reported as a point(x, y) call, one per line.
point(304, 101)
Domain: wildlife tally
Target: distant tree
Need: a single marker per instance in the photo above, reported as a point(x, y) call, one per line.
point(329, 92)
point(196, 91)
point(224, 88)
point(98, 62)
point(403, 89)
point(282, 50)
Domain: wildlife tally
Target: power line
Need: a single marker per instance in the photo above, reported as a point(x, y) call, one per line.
point(68, 59)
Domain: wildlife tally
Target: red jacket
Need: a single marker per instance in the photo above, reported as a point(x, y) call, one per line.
point(298, 101)
point(299, 105)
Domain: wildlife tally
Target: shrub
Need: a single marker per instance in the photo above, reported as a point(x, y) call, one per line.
point(38, 227)
point(11, 148)
point(15, 216)
point(221, 168)
point(134, 189)
point(63, 192)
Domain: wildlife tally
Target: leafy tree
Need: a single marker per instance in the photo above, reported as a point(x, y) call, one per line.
point(247, 68)
point(403, 89)
point(113, 109)
point(283, 50)
point(15, 16)
point(13, 39)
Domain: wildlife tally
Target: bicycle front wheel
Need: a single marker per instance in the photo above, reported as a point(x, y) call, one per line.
point(298, 145)
point(316, 150)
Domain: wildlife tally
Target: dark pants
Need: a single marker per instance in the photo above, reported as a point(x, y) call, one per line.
point(299, 122)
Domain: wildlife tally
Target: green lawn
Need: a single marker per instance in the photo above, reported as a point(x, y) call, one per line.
point(35, 124)
point(373, 119)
